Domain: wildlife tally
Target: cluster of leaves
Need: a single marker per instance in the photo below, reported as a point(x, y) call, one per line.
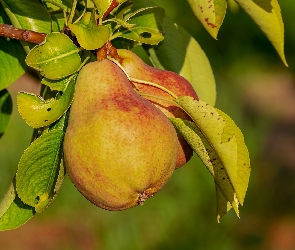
point(75, 31)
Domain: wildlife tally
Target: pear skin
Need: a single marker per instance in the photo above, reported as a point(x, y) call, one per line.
point(136, 68)
point(119, 149)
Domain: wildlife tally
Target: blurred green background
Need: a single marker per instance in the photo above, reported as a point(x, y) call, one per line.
point(258, 92)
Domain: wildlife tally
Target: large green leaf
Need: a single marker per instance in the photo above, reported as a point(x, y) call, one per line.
point(30, 15)
point(12, 61)
point(38, 170)
point(210, 13)
point(220, 145)
point(5, 110)
point(13, 212)
point(267, 15)
point(12, 57)
point(38, 112)
point(89, 35)
point(56, 58)
point(181, 53)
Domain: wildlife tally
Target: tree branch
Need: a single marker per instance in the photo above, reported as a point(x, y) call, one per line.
point(113, 5)
point(22, 35)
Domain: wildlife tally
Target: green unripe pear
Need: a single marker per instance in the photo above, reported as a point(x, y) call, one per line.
point(119, 149)
point(135, 67)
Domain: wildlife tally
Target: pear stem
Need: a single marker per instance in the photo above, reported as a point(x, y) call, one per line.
point(157, 97)
point(119, 65)
point(154, 85)
point(142, 81)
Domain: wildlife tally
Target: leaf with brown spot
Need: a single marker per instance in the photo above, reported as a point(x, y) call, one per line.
point(219, 143)
point(210, 13)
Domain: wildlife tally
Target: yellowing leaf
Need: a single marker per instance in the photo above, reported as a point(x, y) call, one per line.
point(89, 35)
point(202, 77)
point(38, 112)
point(243, 161)
point(212, 159)
point(210, 13)
point(267, 15)
point(220, 145)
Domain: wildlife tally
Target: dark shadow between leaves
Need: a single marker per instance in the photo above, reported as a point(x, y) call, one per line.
point(171, 51)
point(6, 107)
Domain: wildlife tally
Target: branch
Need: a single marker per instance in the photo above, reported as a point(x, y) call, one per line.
point(22, 35)
point(113, 5)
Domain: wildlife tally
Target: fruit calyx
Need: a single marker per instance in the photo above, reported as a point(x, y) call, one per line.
point(142, 197)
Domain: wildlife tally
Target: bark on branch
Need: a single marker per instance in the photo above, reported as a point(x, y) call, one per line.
point(21, 34)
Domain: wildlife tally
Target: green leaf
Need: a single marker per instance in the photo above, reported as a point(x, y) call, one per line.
point(147, 26)
point(210, 13)
point(8, 198)
point(5, 110)
point(29, 15)
point(181, 53)
point(57, 50)
point(57, 85)
point(17, 215)
point(38, 112)
point(220, 145)
point(12, 57)
point(90, 36)
point(58, 22)
point(13, 212)
point(12, 60)
point(267, 15)
point(102, 5)
point(54, 5)
point(38, 170)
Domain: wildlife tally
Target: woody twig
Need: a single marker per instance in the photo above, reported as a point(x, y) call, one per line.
point(20, 34)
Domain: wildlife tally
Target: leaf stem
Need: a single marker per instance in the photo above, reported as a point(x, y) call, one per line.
point(71, 17)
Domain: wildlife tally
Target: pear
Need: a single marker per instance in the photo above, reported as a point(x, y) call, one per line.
point(136, 68)
point(119, 149)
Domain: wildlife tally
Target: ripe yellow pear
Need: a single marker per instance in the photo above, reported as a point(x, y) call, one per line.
point(135, 67)
point(119, 149)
